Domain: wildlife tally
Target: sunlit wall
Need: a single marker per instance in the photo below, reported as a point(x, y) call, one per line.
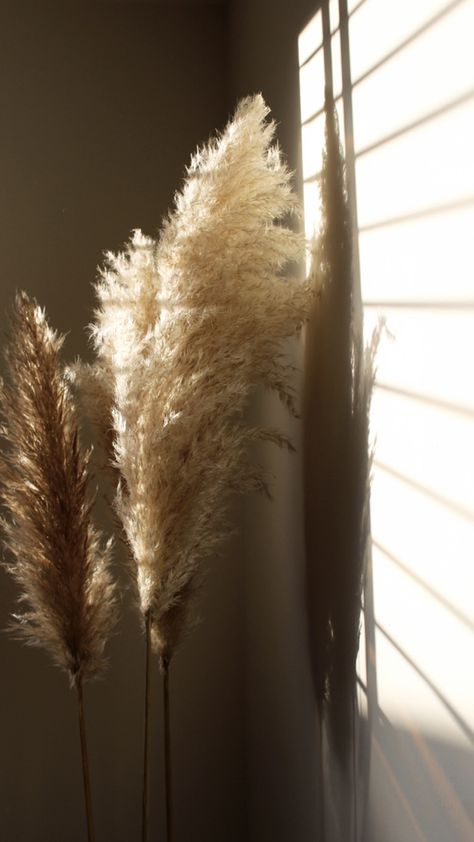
point(411, 93)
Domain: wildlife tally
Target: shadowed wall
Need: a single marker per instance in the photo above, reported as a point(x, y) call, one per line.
point(102, 105)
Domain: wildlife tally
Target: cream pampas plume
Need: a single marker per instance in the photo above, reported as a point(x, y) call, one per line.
point(185, 330)
point(54, 552)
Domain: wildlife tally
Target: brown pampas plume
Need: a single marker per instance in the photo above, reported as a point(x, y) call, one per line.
point(186, 329)
point(54, 552)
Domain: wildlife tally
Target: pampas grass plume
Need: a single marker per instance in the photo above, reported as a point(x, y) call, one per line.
point(54, 552)
point(185, 330)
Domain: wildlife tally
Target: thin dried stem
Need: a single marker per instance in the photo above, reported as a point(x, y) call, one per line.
point(165, 665)
point(355, 776)
point(146, 788)
point(85, 764)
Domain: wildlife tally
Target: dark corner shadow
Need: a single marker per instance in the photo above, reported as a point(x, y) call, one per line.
point(335, 440)
point(336, 397)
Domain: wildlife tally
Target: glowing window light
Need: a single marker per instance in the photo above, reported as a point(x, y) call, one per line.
point(430, 354)
point(432, 541)
point(312, 140)
point(379, 27)
point(414, 83)
point(426, 168)
point(427, 445)
point(311, 59)
point(336, 64)
point(311, 90)
point(310, 38)
point(414, 124)
point(409, 262)
point(405, 693)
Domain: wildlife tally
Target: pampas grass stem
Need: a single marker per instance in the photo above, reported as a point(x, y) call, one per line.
point(165, 668)
point(85, 763)
point(146, 738)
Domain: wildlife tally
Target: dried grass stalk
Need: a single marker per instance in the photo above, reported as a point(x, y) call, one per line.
point(54, 552)
point(186, 328)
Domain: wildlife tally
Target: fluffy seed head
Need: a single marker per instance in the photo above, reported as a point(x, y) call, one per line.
point(54, 552)
point(185, 329)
